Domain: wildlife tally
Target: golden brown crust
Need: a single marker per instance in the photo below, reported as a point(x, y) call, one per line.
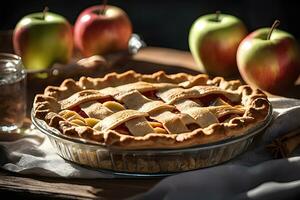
point(55, 99)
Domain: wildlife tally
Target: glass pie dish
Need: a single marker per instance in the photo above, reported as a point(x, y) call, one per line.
point(148, 162)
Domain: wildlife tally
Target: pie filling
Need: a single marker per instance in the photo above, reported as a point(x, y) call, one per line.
point(95, 113)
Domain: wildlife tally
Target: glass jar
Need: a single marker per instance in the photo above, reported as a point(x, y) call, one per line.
point(12, 92)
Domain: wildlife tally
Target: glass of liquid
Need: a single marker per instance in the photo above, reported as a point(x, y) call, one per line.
point(12, 92)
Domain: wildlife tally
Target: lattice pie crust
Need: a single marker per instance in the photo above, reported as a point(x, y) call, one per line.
point(157, 111)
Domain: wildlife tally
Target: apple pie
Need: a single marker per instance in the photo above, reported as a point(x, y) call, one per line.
point(156, 111)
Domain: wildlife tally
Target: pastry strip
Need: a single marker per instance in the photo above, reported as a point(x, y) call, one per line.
point(158, 111)
point(136, 101)
point(117, 119)
point(81, 97)
point(95, 109)
point(171, 95)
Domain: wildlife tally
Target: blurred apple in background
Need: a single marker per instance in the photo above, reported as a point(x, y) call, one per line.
point(102, 29)
point(269, 59)
point(42, 39)
point(213, 41)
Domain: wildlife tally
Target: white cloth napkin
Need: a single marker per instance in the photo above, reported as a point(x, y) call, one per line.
point(32, 153)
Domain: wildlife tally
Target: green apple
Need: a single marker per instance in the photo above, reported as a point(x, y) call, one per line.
point(42, 39)
point(213, 42)
point(269, 59)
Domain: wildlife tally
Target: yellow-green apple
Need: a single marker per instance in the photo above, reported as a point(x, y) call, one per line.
point(269, 59)
point(42, 39)
point(213, 42)
point(102, 29)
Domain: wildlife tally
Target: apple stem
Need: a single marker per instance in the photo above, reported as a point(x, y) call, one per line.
point(104, 4)
point(218, 13)
point(46, 9)
point(275, 25)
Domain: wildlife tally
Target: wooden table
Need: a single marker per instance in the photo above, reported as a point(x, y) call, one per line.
point(147, 60)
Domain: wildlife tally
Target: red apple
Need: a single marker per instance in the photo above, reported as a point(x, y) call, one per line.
point(269, 59)
point(102, 29)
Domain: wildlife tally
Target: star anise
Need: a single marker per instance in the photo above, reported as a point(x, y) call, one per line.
point(284, 146)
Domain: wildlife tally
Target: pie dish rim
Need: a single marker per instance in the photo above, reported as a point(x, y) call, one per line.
point(85, 152)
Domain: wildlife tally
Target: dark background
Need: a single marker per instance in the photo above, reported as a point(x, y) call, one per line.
point(166, 23)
